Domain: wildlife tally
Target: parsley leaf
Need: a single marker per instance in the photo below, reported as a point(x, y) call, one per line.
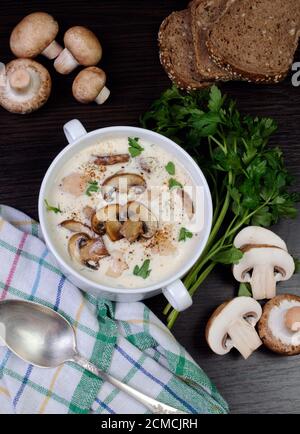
point(297, 265)
point(135, 149)
point(170, 168)
point(142, 271)
point(173, 183)
point(229, 256)
point(54, 209)
point(184, 234)
point(92, 188)
point(245, 290)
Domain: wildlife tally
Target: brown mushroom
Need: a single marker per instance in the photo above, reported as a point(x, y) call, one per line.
point(280, 324)
point(109, 160)
point(137, 212)
point(110, 217)
point(97, 226)
point(89, 86)
point(35, 35)
point(76, 226)
point(123, 182)
point(82, 47)
point(25, 86)
point(188, 205)
point(131, 230)
point(87, 251)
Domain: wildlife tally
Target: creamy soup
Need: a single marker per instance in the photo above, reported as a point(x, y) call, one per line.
point(119, 213)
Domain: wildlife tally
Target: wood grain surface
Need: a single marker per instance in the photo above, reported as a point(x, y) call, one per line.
point(266, 383)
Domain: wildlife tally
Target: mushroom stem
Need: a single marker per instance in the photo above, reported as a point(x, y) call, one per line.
point(292, 319)
point(263, 282)
point(65, 62)
point(52, 51)
point(244, 337)
point(103, 96)
point(20, 80)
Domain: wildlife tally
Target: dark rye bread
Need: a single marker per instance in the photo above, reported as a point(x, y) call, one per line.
point(257, 39)
point(177, 54)
point(204, 14)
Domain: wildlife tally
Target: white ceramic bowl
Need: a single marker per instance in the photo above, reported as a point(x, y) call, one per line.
point(172, 288)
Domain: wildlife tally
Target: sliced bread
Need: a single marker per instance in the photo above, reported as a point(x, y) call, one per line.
point(177, 54)
point(204, 14)
point(257, 39)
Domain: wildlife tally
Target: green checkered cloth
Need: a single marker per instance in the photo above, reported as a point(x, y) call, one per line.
point(126, 340)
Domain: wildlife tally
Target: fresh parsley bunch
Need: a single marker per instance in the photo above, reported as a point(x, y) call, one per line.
point(249, 181)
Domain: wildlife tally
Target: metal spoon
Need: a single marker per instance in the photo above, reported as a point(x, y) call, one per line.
point(44, 338)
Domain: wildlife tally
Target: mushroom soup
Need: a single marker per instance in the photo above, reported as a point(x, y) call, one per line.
point(122, 212)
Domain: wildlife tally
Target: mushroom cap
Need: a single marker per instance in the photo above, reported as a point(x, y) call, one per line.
point(88, 84)
point(37, 94)
point(224, 315)
point(257, 235)
point(33, 34)
point(272, 329)
point(84, 45)
point(280, 259)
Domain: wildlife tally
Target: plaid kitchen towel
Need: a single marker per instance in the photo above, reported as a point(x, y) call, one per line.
point(126, 340)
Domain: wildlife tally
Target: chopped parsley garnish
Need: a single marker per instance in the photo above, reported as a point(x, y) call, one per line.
point(142, 271)
point(170, 168)
point(54, 209)
point(173, 183)
point(92, 188)
point(135, 149)
point(184, 234)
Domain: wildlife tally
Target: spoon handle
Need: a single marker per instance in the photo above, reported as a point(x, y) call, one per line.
point(153, 405)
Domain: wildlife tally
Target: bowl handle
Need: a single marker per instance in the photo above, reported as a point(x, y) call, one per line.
point(74, 130)
point(177, 295)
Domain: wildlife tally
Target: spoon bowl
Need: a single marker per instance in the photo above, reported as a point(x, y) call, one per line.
point(36, 334)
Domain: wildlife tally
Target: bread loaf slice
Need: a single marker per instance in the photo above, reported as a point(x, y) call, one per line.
point(257, 39)
point(177, 53)
point(204, 14)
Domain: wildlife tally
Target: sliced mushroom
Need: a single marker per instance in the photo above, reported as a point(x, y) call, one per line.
point(233, 325)
point(188, 205)
point(87, 251)
point(109, 217)
point(148, 164)
point(109, 160)
point(97, 225)
point(264, 263)
point(123, 182)
point(258, 235)
point(76, 242)
point(76, 226)
point(118, 264)
point(131, 230)
point(279, 326)
point(92, 252)
point(88, 212)
point(113, 230)
point(74, 184)
point(139, 212)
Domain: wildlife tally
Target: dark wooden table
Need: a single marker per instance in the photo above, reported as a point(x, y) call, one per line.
point(265, 383)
